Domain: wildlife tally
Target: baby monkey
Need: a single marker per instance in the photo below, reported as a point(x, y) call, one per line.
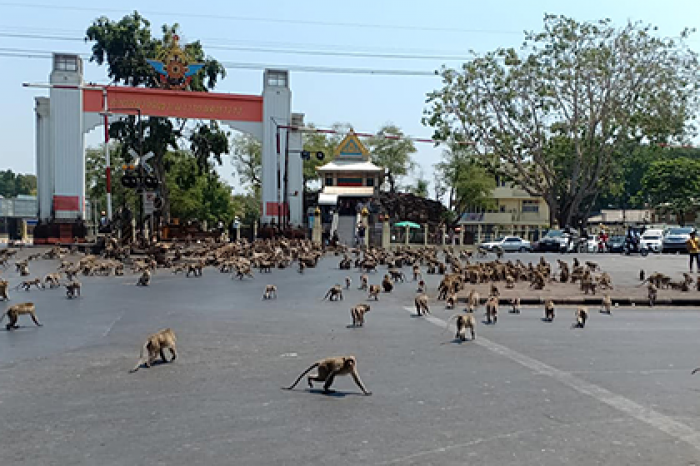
point(515, 306)
point(270, 292)
point(581, 315)
point(348, 282)
point(145, 279)
point(326, 371)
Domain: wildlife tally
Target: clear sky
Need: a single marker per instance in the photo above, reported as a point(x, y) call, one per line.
point(429, 31)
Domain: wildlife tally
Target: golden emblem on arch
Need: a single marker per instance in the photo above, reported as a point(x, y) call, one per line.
point(173, 66)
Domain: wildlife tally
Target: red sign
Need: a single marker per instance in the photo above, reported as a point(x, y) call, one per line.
point(176, 104)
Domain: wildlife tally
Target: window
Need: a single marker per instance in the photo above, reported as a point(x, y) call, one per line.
point(370, 181)
point(66, 63)
point(502, 209)
point(512, 240)
point(277, 78)
point(329, 181)
point(531, 206)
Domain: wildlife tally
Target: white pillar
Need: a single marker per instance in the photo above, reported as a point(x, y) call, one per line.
point(44, 159)
point(295, 179)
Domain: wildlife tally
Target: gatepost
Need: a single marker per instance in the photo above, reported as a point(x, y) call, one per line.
point(318, 230)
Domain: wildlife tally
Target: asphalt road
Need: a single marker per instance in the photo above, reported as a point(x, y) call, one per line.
point(526, 392)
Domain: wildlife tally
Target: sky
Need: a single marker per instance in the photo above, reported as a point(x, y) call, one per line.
point(432, 34)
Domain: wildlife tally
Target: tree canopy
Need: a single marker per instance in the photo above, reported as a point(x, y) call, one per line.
point(392, 153)
point(12, 184)
point(556, 116)
point(673, 185)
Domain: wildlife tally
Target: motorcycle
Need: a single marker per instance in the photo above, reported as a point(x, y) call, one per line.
point(633, 246)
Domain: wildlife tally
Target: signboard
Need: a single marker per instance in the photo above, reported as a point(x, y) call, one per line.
point(148, 203)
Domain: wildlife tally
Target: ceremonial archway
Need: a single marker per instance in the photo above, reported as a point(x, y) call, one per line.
point(73, 109)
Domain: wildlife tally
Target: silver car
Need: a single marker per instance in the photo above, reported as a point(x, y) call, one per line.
point(508, 244)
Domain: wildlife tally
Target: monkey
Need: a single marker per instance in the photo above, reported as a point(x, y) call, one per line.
point(492, 310)
point(302, 266)
point(13, 313)
point(499, 252)
point(606, 305)
point(374, 291)
point(451, 301)
point(335, 293)
point(348, 282)
point(421, 287)
point(653, 293)
point(145, 279)
point(397, 275)
point(576, 263)
point(494, 291)
point(510, 282)
point(588, 284)
point(641, 275)
point(4, 285)
point(358, 314)
point(473, 301)
point(270, 292)
point(416, 273)
point(593, 266)
point(515, 306)
point(387, 284)
point(242, 271)
point(549, 311)
point(27, 284)
point(155, 345)
point(464, 322)
point(421, 303)
point(53, 280)
point(363, 281)
point(581, 315)
point(327, 370)
point(73, 289)
point(195, 269)
point(119, 270)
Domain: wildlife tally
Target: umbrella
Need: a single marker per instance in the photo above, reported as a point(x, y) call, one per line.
point(406, 223)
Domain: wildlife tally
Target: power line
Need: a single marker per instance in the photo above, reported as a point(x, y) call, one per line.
point(30, 53)
point(265, 20)
point(271, 50)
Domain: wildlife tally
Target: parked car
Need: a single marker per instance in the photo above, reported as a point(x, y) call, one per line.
point(652, 240)
point(615, 244)
point(555, 240)
point(508, 244)
point(675, 238)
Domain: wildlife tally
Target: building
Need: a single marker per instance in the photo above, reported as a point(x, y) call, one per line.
point(516, 213)
point(350, 178)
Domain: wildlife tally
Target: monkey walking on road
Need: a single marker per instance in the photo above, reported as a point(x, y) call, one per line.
point(13, 313)
point(326, 371)
point(155, 345)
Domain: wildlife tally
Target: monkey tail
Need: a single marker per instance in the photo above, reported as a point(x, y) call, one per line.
point(2, 317)
point(313, 366)
point(142, 359)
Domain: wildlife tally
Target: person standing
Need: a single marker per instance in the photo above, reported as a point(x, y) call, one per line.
point(693, 245)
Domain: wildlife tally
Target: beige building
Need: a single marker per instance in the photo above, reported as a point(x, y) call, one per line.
point(516, 213)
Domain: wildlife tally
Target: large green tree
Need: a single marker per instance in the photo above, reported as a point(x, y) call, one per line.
point(554, 116)
point(247, 159)
point(673, 185)
point(392, 151)
point(124, 46)
point(12, 184)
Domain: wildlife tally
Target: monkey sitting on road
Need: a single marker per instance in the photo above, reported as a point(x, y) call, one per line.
point(464, 322)
point(145, 279)
point(421, 303)
point(581, 315)
point(194, 269)
point(334, 294)
point(363, 281)
point(494, 291)
point(328, 369)
point(473, 301)
point(155, 345)
point(374, 291)
point(302, 266)
point(73, 289)
point(549, 311)
point(492, 310)
point(270, 292)
point(451, 301)
point(416, 273)
point(421, 287)
point(348, 282)
point(27, 284)
point(4, 285)
point(515, 306)
point(13, 313)
point(606, 305)
point(387, 284)
point(358, 314)
point(510, 282)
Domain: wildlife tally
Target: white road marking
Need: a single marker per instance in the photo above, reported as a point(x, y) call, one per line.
point(649, 416)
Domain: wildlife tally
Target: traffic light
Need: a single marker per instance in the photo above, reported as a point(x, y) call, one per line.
point(305, 155)
point(320, 155)
point(150, 182)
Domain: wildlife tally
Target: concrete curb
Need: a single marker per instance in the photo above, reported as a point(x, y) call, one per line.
point(584, 301)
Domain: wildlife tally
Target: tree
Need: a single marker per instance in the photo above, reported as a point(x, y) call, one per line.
point(12, 184)
point(318, 142)
point(247, 159)
point(554, 117)
point(468, 184)
point(674, 185)
point(420, 188)
point(95, 182)
point(391, 151)
point(124, 46)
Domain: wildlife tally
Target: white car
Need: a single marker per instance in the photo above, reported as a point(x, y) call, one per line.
point(652, 240)
point(508, 244)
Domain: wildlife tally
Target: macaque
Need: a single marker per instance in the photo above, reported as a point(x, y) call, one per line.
point(4, 285)
point(27, 284)
point(374, 291)
point(326, 371)
point(155, 345)
point(464, 322)
point(335, 293)
point(581, 315)
point(270, 292)
point(492, 310)
point(473, 301)
point(13, 313)
point(145, 279)
point(515, 306)
point(358, 314)
point(451, 301)
point(387, 284)
point(73, 289)
point(416, 273)
point(421, 287)
point(421, 303)
point(348, 282)
point(363, 281)
point(549, 311)
point(653, 293)
point(606, 304)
